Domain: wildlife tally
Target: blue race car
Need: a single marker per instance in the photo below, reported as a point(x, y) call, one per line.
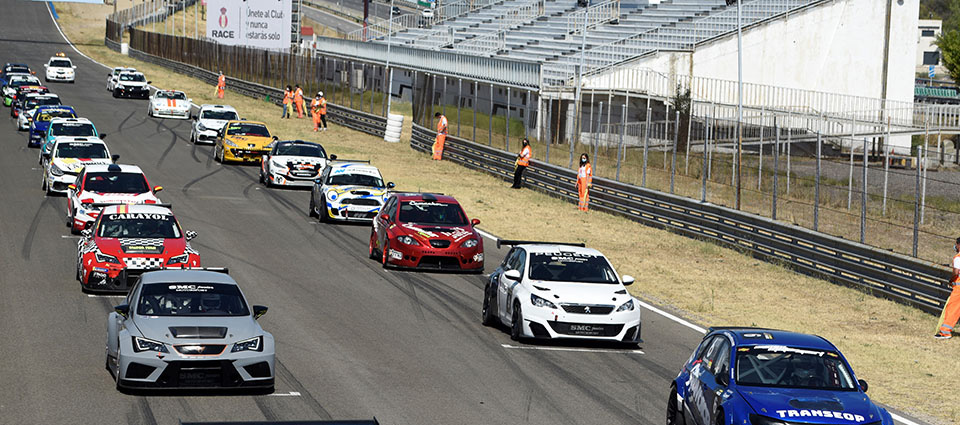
point(750, 376)
point(41, 121)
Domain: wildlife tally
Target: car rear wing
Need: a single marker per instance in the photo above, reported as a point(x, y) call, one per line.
point(512, 242)
point(335, 158)
point(223, 270)
point(107, 204)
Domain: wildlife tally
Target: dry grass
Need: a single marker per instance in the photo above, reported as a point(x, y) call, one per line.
point(889, 345)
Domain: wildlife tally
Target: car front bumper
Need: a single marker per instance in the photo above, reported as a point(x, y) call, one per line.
point(419, 256)
point(546, 323)
point(59, 184)
point(61, 77)
point(342, 212)
point(133, 92)
point(36, 139)
point(207, 135)
point(150, 369)
point(243, 155)
point(170, 113)
point(288, 179)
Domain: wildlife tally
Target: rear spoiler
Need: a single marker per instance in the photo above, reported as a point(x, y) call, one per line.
point(107, 204)
point(518, 242)
point(223, 270)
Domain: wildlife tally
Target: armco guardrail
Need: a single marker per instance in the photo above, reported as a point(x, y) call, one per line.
point(904, 279)
point(351, 118)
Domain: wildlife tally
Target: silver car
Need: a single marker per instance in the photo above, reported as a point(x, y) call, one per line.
point(188, 329)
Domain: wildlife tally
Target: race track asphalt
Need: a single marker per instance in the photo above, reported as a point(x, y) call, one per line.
point(353, 341)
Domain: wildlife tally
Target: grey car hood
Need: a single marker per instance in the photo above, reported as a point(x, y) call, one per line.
point(158, 328)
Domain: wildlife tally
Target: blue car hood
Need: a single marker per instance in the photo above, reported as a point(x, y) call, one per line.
point(811, 406)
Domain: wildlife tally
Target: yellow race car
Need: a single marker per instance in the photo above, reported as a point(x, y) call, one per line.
point(243, 141)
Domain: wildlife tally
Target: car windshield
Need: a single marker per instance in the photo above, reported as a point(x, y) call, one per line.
point(191, 299)
point(426, 212)
point(243, 129)
point(219, 115)
point(138, 225)
point(571, 267)
point(300, 149)
point(73, 129)
point(34, 102)
point(60, 63)
point(115, 183)
point(132, 77)
point(24, 82)
point(15, 69)
point(171, 95)
point(49, 114)
point(81, 150)
point(789, 367)
point(355, 180)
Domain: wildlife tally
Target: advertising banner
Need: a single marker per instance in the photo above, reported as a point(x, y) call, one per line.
point(264, 24)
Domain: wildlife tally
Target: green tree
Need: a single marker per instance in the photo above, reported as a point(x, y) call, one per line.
point(949, 44)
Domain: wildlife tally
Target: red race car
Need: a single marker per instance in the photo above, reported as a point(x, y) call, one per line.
point(127, 240)
point(423, 230)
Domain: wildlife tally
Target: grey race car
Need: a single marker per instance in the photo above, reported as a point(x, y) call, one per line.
point(188, 329)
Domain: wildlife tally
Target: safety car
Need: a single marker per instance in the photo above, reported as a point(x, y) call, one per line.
point(17, 80)
point(65, 128)
point(28, 106)
point(114, 75)
point(127, 240)
point(67, 158)
point(41, 121)
point(242, 141)
point(293, 163)
point(60, 68)
point(348, 191)
point(548, 290)
point(131, 84)
point(769, 377)
point(105, 184)
point(425, 230)
point(189, 329)
point(208, 122)
point(169, 104)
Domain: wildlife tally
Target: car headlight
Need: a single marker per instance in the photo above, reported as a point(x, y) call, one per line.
point(120, 86)
point(106, 258)
point(277, 164)
point(252, 344)
point(407, 240)
point(180, 259)
point(56, 171)
point(470, 243)
point(541, 302)
point(627, 306)
point(230, 143)
point(201, 127)
point(142, 344)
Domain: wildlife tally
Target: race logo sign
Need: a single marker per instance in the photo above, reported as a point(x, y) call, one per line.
point(264, 24)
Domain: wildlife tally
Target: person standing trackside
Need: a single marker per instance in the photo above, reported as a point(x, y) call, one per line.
point(298, 100)
point(584, 182)
point(951, 310)
point(441, 136)
point(319, 110)
point(221, 85)
point(523, 161)
point(287, 102)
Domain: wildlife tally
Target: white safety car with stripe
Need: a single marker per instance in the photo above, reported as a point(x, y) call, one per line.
point(169, 104)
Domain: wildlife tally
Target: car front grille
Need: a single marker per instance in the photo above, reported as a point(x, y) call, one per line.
point(200, 349)
point(587, 309)
point(361, 201)
point(439, 243)
point(586, 329)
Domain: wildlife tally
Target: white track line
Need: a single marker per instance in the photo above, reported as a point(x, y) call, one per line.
point(577, 350)
point(287, 394)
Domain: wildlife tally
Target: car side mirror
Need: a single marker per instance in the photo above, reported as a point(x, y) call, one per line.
point(122, 309)
point(157, 189)
point(74, 67)
point(189, 100)
point(385, 217)
point(86, 232)
point(149, 82)
point(723, 379)
point(45, 155)
point(88, 226)
point(317, 181)
point(190, 235)
point(333, 157)
point(102, 136)
point(863, 385)
point(390, 185)
point(46, 65)
point(513, 275)
point(259, 311)
point(628, 280)
point(72, 186)
point(109, 75)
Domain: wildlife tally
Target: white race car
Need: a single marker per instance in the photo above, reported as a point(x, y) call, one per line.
point(106, 184)
point(169, 104)
point(29, 105)
point(293, 163)
point(551, 290)
point(115, 75)
point(67, 158)
point(132, 84)
point(210, 120)
point(348, 191)
point(60, 68)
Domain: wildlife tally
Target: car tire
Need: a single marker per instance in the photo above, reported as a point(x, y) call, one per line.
point(312, 211)
point(44, 186)
point(516, 328)
point(372, 251)
point(222, 155)
point(116, 93)
point(674, 413)
point(488, 318)
point(383, 256)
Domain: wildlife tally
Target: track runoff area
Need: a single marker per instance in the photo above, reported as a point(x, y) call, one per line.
point(353, 341)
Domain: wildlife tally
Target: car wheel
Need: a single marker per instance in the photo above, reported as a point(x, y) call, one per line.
point(383, 256)
point(221, 155)
point(372, 251)
point(487, 316)
point(116, 93)
point(312, 211)
point(673, 409)
point(79, 275)
point(516, 329)
point(721, 419)
point(43, 184)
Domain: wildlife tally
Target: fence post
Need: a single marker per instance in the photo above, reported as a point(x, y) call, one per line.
point(916, 207)
point(703, 171)
point(863, 196)
point(666, 134)
point(923, 190)
point(548, 115)
point(646, 138)
point(776, 167)
point(623, 128)
point(506, 124)
point(443, 97)
point(789, 146)
point(373, 85)
point(526, 113)
point(596, 141)
point(816, 192)
point(850, 178)
point(490, 119)
point(760, 156)
point(686, 167)
point(350, 83)
point(476, 92)
point(673, 160)
point(886, 167)
point(459, 102)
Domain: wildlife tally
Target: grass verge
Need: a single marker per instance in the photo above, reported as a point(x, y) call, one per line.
point(889, 345)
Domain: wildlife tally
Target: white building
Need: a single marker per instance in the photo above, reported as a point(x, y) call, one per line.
point(927, 52)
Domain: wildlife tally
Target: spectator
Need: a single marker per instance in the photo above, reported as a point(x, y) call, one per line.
point(523, 161)
point(951, 310)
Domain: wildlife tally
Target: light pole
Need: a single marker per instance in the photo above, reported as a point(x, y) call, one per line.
point(389, 69)
point(583, 49)
point(739, 102)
